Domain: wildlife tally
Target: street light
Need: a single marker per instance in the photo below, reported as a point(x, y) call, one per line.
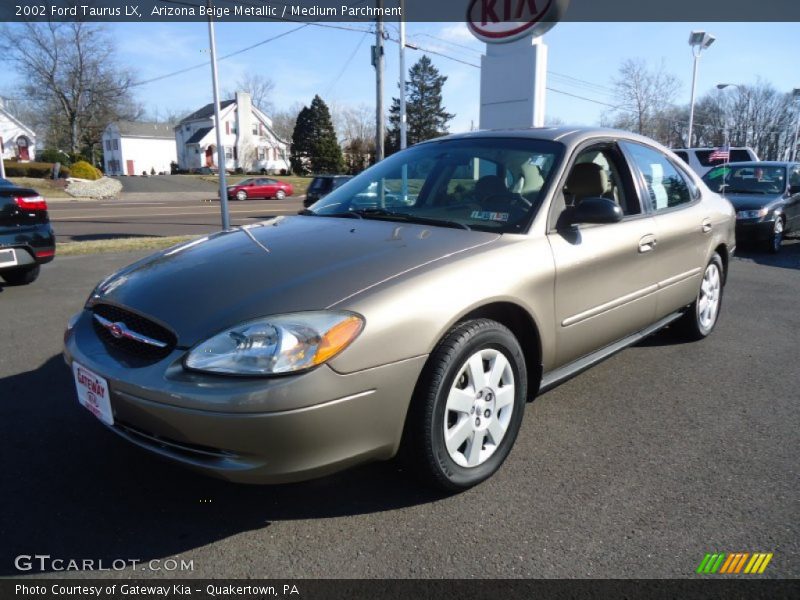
point(796, 96)
point(699, 41)
point(720, 87)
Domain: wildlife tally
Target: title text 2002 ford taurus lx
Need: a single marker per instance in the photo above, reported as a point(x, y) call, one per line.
point(417, 306)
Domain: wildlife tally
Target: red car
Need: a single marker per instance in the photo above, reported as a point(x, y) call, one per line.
point(261, 187)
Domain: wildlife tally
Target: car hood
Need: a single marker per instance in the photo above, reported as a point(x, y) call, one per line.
point(283, 265)
point(752, 201)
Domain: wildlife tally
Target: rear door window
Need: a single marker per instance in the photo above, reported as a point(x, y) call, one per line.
point(666, 185)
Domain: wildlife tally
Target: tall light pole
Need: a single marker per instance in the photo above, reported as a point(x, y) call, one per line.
point(403, 124)
point(223, 188)
point(796, 96)
point(699, 41)
point(377, 61)
point(720, 87)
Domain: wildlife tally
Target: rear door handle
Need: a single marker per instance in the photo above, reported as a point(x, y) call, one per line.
point(647, 243)
point(707, 226)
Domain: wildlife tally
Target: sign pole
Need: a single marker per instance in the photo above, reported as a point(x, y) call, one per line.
point(223, 188)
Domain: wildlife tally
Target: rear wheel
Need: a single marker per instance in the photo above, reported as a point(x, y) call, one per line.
point(280, 194)
point(22, 276)
point(241, 195)
point(468, 406)
point(701, 317)
point(776, 239)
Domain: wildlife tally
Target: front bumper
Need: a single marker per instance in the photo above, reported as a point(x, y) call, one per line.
point(754, 230)
point(268, 430)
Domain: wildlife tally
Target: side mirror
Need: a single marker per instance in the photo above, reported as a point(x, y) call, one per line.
point(794, 189)
point(595, 210)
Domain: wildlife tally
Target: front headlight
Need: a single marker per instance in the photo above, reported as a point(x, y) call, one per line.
point(752, 214)
point(278, 344)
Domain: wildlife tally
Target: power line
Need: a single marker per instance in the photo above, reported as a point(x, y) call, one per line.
point(346, 64)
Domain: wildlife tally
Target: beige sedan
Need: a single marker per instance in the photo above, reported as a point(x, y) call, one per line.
point(417, 307)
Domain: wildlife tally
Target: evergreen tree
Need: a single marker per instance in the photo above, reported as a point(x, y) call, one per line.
point(300, 157)
point(426, 118)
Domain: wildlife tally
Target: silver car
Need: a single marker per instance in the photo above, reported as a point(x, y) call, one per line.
point(419, 306)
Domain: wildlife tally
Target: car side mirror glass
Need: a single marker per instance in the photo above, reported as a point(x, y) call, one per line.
point(595, 210)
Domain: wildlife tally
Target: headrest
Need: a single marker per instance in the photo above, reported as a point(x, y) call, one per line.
point(587, 180)
point(490, 185)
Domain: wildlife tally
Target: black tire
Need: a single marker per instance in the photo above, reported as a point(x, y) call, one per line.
point(22, 276)
point(423, 443)
point(776, 237)
point(690, 326)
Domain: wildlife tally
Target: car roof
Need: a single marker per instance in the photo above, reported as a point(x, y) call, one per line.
point(569, 136)
point(759, 163)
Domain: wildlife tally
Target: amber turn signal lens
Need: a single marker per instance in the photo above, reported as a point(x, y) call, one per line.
point(337, 338)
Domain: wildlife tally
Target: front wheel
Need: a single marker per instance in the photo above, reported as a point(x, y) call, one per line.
point(241, 195)
point(22, 276)
point(776, 238)
point(468, 406)
point(701, 317)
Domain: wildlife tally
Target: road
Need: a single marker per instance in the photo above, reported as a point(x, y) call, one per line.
point(157, 214)
point(636, 468)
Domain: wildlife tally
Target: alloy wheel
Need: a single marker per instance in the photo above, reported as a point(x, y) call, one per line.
point(710, 293)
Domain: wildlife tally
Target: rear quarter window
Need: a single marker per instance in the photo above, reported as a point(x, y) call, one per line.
point(684, 156)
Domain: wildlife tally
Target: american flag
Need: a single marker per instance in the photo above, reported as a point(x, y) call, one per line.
point(723, 153)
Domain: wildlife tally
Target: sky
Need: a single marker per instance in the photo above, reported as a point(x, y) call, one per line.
point(335, 63)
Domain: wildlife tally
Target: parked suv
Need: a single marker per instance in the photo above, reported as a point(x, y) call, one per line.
point(701, 160)
point(322, 185)
point(26, 237)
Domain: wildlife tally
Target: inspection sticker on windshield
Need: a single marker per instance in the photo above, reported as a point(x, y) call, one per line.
point(93, 393)
point(481, 215)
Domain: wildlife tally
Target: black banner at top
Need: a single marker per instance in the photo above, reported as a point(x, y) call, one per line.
point(486, 11)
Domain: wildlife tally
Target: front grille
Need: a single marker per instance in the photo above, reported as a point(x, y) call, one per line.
point(138, 324)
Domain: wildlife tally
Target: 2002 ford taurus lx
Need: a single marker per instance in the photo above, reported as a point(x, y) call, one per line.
point(418, 306)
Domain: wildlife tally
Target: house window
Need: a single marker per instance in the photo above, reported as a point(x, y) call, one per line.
point(228, 153)
point(116, 145)
point(275, 154)
point(255, 128)
point(262, 154)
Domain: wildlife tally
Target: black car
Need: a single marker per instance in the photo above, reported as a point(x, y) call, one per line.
point(26, 237)
point(766, 196)
point(322, 185)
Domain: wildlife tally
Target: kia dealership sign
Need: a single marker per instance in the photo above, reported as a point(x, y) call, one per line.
point(499, 21)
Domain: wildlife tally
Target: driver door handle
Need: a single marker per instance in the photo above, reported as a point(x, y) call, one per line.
point(647, 243)
point(707, 226)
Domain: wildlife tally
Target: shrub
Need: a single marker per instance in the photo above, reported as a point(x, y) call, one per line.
point(53, 155)
point(38, 170)
point(83, 170)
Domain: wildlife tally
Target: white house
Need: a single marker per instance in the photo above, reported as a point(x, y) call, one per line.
point(247, 136)
point(18, 140)
point(135, 148)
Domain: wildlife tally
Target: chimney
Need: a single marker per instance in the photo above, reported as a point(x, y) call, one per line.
point(244, 132)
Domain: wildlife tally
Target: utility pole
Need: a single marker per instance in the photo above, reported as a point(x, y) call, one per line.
point(377, 61)
point(403, 123)
point(223, 188)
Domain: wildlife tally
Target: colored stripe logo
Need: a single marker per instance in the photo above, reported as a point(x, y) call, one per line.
point(734, 563)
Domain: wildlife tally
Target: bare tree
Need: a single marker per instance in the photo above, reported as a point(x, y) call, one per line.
point(357, 134)
point(283, 121)
point(260, 89)
point(71, 77)
point(643, 95)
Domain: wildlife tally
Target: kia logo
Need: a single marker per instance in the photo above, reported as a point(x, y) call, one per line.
point(497, 21)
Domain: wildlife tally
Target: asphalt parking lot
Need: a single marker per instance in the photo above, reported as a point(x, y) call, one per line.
point(635, 468)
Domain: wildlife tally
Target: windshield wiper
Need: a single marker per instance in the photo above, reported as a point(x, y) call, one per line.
point(738, 191)
point(347, 215)
point(368, 213)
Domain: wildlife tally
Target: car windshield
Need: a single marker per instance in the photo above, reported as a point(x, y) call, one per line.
point(487, 184)
point(747, 179)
